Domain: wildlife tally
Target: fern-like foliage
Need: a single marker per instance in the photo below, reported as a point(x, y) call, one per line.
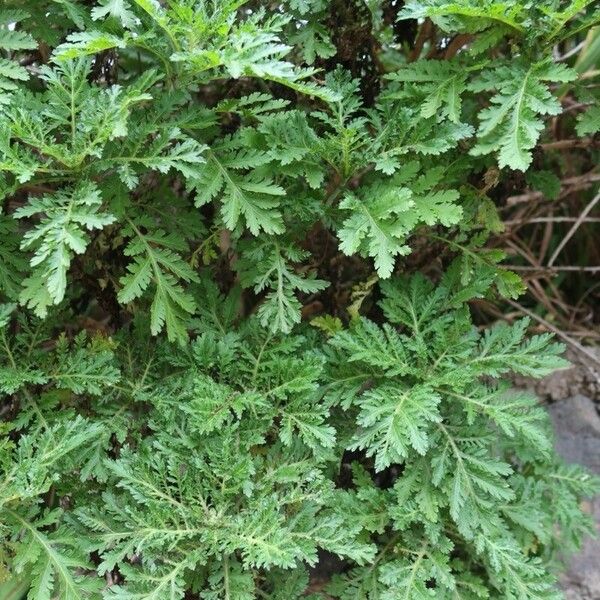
point(511, 124)
point(251, 196)
point(12, 39)
point(221, 360)
point(270, 267)
point(60, 234)
point(156, 262)
point(12, 262)
point(51, 558)
point(424, 381)
point(441, 83)
point(228, 478)
point(381, 222)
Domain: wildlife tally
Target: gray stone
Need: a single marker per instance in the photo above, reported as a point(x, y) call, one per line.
point(577, 427)
point(582, 377)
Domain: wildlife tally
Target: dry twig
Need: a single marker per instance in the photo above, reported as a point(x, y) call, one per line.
point(574, 228)
point(561, 334)
point(569, 185)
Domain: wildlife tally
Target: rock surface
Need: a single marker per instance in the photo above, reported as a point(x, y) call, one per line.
point(582, 377)
point(577, 427)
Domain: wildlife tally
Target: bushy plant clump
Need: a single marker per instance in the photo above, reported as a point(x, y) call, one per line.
point(240, 245)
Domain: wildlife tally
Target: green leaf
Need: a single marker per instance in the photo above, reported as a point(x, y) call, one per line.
point(589, 121)
point(386, 214)
point(268, 266)
point(12, 70)
point(379, 347)
point(116, 9)
point(515, 412)
point(12, 264)
point(11, 37)
point(55, 561)
point(393, 420)
point(61, 233)
point(512, 124)
point(441, 83)
point(503, 348)
point(84, 43)
point(87, 368)
point(156, 262)
point(374, 228)
point(546, 182)
point(466, 15)
point(253, 196)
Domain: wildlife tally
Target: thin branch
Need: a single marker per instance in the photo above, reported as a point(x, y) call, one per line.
point(456, 44)
point(550, 220)
point(570, 184)
point(550, 270)
point(570, 52)
point(571, 143)
point(422, 37)
point(574, 228)
point(561, 334)
point(572, 106)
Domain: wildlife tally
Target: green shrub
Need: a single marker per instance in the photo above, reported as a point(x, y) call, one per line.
point(184, 179)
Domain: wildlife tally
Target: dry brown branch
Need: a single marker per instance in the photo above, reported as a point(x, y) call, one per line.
point(571, 143)
point(550, 220)
point(546, 240)
point(564, 336)
point(544, 270)
point(456, 44)
point(422, 37)
point(574, 228)
point(573, 106)
point(568, 186)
